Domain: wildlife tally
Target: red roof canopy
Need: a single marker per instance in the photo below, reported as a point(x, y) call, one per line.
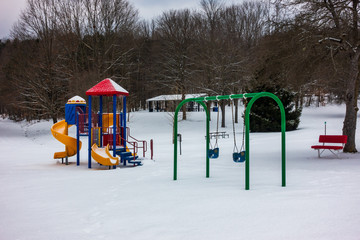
point(107, 87)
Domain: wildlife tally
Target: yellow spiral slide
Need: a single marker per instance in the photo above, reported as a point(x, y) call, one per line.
point(60, 131)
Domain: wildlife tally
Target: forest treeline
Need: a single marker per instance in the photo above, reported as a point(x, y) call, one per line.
point(59, 49)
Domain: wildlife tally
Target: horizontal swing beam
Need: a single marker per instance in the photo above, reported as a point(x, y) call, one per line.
point(222, 97)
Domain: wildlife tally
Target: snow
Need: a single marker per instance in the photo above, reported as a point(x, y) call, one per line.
point(40, 198)
point(117, 87)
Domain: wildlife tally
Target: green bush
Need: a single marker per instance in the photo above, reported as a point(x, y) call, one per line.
point(265, 114)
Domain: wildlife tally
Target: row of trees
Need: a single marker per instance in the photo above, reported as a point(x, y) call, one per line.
point(61, 48)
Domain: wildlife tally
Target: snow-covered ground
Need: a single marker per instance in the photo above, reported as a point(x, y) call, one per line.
point(40, 198)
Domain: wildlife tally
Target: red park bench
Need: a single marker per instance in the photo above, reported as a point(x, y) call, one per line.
point(340, 139)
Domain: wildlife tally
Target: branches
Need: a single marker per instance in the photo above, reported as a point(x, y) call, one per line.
point(61, 41)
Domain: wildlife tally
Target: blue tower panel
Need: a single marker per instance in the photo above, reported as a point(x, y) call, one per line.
point(70, 112)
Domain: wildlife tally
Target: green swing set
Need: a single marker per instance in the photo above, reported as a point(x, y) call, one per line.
point(254, 97)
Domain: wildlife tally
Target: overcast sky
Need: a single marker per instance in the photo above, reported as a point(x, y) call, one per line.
point(10, 10)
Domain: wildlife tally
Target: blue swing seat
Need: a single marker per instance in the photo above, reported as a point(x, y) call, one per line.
point(239, 157)
point(214, 153)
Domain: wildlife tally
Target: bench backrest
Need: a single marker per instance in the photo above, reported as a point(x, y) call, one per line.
point(333, 139)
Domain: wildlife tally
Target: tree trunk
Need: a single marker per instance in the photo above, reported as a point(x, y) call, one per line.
point(222, 105)
point(54, 118)
point(236, 103)
point(183, 108)
point(349, 127)
point(208, 105)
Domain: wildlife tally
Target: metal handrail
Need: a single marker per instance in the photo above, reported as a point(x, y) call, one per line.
point(133, 144)
point(144, 142)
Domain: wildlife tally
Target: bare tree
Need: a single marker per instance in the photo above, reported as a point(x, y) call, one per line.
point(74, 43)
point(177, 29)
point(227, 35)
point(42, 82)
point(337, 21)
point(107, 24)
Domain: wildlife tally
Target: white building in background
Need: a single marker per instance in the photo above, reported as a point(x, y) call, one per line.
point(168, 103)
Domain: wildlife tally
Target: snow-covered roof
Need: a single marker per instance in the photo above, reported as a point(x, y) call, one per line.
point(175, 97)
point(76, 100)
point(107, 87)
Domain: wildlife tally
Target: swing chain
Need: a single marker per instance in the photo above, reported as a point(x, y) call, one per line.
point(233, 123)
point(217, 123)
point(243, 133)
point(214, 150)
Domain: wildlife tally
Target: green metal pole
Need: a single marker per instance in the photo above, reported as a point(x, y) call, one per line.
point(175, 139)
point(207, 137)
point(247, 145)
point(207, 142)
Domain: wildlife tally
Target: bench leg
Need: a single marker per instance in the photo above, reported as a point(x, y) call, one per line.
point(334, 153)
point(319, 153)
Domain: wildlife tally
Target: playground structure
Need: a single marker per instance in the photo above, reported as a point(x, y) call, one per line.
point(102, 129)
point(254, 97)
point(60, 129)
